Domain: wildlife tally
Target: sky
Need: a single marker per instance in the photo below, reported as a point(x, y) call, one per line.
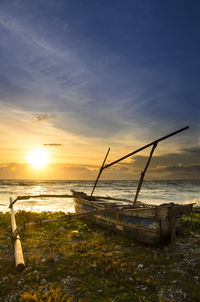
point(78, 77)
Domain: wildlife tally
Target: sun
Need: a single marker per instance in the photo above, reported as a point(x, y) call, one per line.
point(38, 158)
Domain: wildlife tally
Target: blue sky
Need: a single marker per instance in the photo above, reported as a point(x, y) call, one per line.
point(109, 72)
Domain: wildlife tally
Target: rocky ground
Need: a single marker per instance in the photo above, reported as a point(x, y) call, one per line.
point(79, 261)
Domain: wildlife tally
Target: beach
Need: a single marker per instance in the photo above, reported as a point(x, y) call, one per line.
point(80, 261)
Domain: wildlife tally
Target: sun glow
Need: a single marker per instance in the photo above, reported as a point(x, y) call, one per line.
point(38, 158)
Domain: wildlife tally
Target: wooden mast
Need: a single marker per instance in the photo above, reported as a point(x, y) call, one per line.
point(143, 174)
point(19, 258)
point(100, 171)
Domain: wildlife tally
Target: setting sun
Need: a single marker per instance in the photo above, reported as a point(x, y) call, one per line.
point(38, 158)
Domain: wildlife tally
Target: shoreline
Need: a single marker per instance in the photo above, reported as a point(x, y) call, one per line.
point(80, 261)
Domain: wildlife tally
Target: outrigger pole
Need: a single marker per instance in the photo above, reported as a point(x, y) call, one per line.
point(154, 143)
point(19, 258)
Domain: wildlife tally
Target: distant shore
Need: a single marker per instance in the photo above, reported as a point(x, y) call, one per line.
point(79, 261)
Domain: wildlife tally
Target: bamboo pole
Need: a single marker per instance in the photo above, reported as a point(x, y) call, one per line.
point(77, 216)
point(146, 146)
point(26, 197)
point(100, 171)
point(143, 174)
point(19, 258)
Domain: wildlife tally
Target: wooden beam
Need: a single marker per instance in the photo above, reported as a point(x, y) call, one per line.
point(19, 258)
point(146, 146)
point(100, 171)
point(143, 174)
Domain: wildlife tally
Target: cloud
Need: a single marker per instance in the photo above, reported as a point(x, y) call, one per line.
point(44, 117)
point(178, 172)
point(52, 145)
point(191, 150)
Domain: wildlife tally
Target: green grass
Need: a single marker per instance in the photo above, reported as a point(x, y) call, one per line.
point(84, 262)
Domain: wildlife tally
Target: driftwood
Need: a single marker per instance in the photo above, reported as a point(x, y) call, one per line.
point(19, 258)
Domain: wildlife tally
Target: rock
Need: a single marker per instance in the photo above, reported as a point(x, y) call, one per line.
point(43, 282)
point(144, 288)
point(44, 291)
point(61, 229)
point(130, 279)
point(100, 290)
point(140, 266)
point(154, 254)
point(68, 277)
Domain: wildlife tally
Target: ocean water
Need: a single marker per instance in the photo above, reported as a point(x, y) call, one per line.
point(153, 192)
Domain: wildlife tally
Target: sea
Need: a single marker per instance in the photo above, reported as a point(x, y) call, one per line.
point(152, 192)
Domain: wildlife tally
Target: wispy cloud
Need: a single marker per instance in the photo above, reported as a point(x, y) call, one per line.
point(118, 79)
point(44, 117)
point(52, 145)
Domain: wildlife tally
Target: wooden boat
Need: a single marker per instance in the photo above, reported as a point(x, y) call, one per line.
point(151, 224)
point(146, 223)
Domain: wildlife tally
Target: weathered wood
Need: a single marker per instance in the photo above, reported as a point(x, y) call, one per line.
point(19, 258)
point(143, 174)
point(26, 197)
point(74, 215)
point(151, 225)
point(146, 146)
point(100, 171)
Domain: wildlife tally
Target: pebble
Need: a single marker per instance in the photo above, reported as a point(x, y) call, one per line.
point(69, 277)
point(166, 249)
point(110, 254)
point(140, 266)
point(144, 288)
point(45, 290)
point(100, 290)
point(61, 229)
point(43, 282)
point(130, 279)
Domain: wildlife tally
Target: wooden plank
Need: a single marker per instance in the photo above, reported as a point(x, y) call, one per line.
point(19, 258)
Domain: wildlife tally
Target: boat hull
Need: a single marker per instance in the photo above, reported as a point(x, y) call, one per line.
point(151, 225)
